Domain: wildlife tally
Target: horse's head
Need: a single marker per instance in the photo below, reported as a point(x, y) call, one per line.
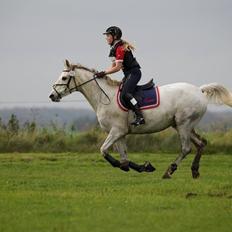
point(65, 84)
point(74, 77)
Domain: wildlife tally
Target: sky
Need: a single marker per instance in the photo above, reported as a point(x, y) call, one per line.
point(176, 41)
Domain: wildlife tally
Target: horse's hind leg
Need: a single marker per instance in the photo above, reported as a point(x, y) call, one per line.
point(200, 143)
point(184, 134)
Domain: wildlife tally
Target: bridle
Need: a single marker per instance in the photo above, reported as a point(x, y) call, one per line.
point(71, 90)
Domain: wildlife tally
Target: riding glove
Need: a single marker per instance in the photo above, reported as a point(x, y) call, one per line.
point(100, 74)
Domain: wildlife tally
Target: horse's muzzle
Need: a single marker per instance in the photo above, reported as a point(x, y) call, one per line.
point(54, 98)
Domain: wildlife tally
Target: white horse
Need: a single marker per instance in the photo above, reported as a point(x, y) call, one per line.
point(182, 106)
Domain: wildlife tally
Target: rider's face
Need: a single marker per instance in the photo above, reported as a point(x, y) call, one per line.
point(109, 39)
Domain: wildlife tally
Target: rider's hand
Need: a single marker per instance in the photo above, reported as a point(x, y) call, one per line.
point(100, 74)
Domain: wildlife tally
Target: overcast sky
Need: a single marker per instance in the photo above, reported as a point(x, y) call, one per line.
point(176, 40)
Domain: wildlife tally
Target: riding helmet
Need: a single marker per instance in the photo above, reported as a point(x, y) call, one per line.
point(114, 31)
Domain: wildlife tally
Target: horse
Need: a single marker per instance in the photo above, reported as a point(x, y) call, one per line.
point(182, 106)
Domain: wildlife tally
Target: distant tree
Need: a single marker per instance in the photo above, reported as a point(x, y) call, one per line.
point(54, 126)
point(0, 123)
point(30, 126)
point(72, 127)
point(13, 124)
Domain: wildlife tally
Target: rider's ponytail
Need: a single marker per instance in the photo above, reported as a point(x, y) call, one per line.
point(128, 46)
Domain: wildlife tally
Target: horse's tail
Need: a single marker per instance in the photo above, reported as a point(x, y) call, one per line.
point(217, 94)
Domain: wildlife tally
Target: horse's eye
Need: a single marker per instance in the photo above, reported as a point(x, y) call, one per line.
point(64, 78)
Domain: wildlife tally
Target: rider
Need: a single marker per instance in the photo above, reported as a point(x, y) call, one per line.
point(122, 58)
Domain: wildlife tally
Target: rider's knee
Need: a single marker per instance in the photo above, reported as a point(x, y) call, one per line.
point(129, 95)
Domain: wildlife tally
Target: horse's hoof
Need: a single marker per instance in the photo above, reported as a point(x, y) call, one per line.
point(172, 168)
point(166, 176)
point(148, 167)
point(195, 174)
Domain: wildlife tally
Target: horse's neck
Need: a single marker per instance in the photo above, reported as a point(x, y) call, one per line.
point(93, 93)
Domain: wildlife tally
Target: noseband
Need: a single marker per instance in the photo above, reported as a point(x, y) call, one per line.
point(72, 77)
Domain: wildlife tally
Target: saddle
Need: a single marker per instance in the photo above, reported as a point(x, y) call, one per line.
point(150, 84)
point(147, 96)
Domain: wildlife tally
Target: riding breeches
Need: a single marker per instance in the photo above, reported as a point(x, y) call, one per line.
point(129, 84)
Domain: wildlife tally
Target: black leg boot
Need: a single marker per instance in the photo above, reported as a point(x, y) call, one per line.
point(139, 120)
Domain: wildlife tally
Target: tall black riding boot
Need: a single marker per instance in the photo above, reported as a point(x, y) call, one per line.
point(139, 120)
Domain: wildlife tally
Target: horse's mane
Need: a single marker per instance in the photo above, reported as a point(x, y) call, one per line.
point(109, 81)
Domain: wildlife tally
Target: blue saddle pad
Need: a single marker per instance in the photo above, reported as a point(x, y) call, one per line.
point(146, 98)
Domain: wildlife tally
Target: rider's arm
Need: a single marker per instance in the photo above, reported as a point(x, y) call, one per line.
point(116, 66)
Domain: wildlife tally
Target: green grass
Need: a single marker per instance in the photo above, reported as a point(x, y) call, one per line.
point(81, 192)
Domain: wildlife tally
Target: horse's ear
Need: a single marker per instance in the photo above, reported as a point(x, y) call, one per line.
point(67, 64)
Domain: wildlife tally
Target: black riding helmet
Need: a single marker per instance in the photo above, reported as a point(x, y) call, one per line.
point(114, 31)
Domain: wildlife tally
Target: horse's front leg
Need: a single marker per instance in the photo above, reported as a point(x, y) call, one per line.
point(120, 146)
point(114, 135)
point(125, 164)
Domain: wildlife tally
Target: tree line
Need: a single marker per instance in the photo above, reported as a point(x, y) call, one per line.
point(31, 138)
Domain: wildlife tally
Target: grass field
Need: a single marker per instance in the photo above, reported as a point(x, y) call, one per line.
point(81, 192)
